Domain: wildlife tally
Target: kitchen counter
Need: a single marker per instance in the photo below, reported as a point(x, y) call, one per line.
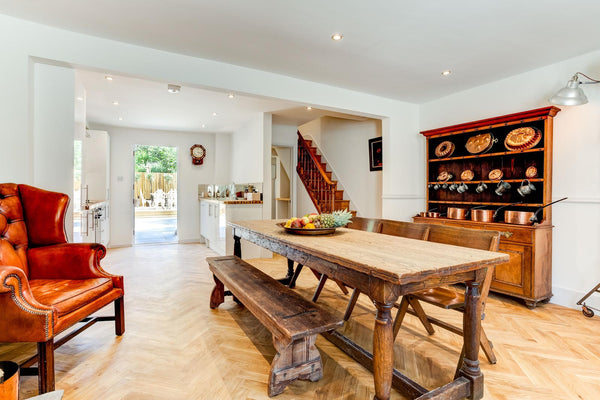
point(232, 201)
point(94, 204)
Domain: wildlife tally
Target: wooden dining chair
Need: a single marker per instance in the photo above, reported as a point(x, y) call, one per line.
point(449, 297)
point(396, 228)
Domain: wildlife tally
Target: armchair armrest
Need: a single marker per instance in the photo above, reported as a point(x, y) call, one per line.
point(69, 261)
point(23, 318)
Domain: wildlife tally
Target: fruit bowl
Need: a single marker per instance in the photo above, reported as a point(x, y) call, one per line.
point(304, 231)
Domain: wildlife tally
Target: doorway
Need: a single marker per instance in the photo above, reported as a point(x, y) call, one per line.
point(155, 194)
point(281, 182)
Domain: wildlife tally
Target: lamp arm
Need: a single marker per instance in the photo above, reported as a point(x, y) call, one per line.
point(591, 79)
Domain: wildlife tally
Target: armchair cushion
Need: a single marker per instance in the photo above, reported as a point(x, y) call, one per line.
point(67, 295)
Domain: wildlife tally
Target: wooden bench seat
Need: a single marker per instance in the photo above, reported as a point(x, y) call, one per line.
point(293, 320)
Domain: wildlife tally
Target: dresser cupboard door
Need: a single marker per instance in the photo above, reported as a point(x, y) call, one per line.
point(514, 276)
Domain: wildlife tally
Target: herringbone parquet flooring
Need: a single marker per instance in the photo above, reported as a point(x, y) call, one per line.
point(175, 347)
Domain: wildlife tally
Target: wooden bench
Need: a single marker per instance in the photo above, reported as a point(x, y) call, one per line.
point(293, 320)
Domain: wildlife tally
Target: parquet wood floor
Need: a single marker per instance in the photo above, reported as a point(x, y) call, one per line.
point(175, 347)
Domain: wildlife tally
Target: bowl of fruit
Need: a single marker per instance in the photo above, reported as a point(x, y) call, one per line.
point(317, 224)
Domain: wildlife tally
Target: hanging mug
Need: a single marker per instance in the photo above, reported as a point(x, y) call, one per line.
point(502, 187)
point(445, 186)
point(462, 188)
point(453, 187)
point(481, 187)
point(526, 188)
point(436, 186)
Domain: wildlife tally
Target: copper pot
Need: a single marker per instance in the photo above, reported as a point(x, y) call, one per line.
point(482, 215)
point(525, 217)
point(457, 213)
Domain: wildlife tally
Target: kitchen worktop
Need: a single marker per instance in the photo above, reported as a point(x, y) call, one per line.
point(233, 201)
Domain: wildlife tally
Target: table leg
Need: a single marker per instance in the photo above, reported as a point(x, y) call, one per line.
point(237, 246)
point(383, 351)
point(472, 332)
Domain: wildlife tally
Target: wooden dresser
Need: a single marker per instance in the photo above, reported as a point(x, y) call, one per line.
point(528, 274)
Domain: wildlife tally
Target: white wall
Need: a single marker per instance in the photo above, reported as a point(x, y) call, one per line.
point(122, 143)
point(25, 42)
point(576, 172)
point(246, 151)
point(285, 134)
point(53, 131)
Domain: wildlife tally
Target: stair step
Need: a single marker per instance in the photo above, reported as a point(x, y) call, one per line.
point(342, 204)
point(339, 195)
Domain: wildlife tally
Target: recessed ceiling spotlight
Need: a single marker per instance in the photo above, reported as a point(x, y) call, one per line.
point(115, 103)
point(309, 108)
point(173, 88)
point(446, 72)
point(204, 125)
point(231, 95)
point(120, 118)
point(80, 98)
point(108, 78)
point(215, 114)
point(337, 37)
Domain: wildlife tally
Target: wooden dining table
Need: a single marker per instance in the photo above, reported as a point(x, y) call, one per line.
point(385, 267)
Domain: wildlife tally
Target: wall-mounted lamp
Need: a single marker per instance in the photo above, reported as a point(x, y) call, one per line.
point(572, 94)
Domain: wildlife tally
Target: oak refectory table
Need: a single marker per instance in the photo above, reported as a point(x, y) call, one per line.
point(386, 267)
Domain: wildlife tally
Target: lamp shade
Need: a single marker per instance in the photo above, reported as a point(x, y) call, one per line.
point(570, 95)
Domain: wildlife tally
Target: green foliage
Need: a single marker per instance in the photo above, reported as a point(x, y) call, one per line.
point(155, 159)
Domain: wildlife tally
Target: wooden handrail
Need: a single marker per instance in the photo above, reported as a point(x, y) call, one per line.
point(302, 141)
point(320, 188)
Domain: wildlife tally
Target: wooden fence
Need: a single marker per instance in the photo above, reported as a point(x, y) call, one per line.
point(147, 183)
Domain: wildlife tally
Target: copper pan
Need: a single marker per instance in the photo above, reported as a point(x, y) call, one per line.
point(525, 217)
point(480, 215)
point(457, 213)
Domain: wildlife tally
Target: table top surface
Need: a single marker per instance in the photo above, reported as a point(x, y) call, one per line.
point(392, 258)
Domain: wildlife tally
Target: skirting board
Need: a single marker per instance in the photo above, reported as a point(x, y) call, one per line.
point(569, 297)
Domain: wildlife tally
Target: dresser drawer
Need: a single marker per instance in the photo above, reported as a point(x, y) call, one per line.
point(511, 233)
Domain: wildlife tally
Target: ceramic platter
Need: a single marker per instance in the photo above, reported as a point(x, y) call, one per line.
point(308, 232)
point(522, 138)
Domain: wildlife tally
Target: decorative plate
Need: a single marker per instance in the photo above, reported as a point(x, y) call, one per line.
point(467, 175)
point(495, 174)
point(444, 176)
point(309, 232)
point(444, 149)
point(522, 138)
point(480, 143)
point(531, 172)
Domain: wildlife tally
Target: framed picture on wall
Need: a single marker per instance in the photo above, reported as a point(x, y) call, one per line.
point(375, 154)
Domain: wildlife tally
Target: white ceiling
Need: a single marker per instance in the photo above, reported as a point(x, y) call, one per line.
point(394, 49)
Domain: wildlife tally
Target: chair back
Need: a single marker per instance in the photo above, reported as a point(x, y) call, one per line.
point(409, 230)
point(29, 217)
point(365, 224)
point(465, 237)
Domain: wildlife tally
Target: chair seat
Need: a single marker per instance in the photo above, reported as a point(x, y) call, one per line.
point(67, 295)
point(443, 296)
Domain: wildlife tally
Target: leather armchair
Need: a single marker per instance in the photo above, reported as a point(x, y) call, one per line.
point(46, 284)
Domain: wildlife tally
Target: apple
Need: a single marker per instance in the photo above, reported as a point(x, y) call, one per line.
point(305, 220)
point(296, 224)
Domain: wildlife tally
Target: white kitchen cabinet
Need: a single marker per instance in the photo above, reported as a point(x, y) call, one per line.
point(215, 214)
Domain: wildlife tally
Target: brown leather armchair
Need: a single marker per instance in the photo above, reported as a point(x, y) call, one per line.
point(46, 284)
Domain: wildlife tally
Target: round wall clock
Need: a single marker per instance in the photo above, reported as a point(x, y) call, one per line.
point(198, 152)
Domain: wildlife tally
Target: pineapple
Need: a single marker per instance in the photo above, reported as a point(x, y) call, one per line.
point(327, 220)
point(335, 219)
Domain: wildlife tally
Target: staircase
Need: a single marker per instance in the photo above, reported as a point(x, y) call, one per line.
point(317, 180)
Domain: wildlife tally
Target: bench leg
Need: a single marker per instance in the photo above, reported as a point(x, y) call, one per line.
point(218, 293)
point(294, 360)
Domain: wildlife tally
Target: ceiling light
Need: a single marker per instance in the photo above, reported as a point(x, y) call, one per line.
point(80, 98)
point(120, 118)
point(231, 95)
point(309, 108)
point(108, 78)
point(215, 114)
point(204, 125)
point(337, 36)
point(572, 94)
point(173, 88)
point(446, 72)
point(115, 103)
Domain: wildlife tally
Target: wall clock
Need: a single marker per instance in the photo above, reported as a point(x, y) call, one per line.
point(198, 152)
